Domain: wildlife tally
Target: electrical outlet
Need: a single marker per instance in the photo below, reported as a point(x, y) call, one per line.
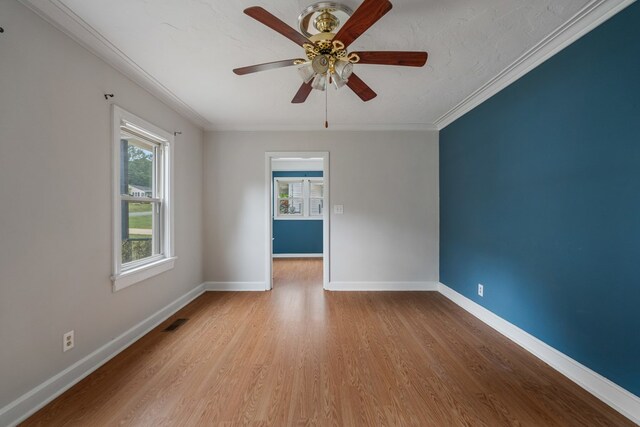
point(338, 209)
point(68, 341)
point(480, 290)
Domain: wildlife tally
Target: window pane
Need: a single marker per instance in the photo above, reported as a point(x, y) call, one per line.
point(316, 207)
point(136, 169)
point(139, 222)
point(288, 190)
point(316, 190)
point(290, 207)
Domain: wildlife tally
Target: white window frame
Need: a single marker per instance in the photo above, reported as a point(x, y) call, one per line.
point(306, 198)
point(126, 275)
point(311, 181)
point(276, 198)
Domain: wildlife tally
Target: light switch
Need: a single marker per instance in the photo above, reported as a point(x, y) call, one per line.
point(338, 209)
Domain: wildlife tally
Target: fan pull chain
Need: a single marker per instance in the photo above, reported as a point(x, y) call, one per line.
point(326, 102)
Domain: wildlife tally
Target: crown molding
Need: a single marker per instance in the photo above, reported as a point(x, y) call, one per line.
point(332, 127)
point(592, 15)
point(65, 20)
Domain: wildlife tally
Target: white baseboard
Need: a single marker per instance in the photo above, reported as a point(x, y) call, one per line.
point(27, 404)
point(235, 286)
point(382, 286)
point(610, 393)
point(297, 255)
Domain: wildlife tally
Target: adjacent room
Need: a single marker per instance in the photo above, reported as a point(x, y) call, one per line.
point(296, 212)
point(353, 213)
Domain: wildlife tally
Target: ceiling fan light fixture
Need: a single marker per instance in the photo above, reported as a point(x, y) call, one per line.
point(306, 71)
point(344, 69)
point(319, 82)
point(328, 28)
point(338, 81)
point(320, 64)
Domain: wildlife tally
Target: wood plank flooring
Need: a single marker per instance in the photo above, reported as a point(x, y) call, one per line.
point(301, 356)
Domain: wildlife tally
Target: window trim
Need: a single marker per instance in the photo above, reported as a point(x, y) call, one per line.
point(156, 264)
point(277, 197)
point(311, 180)
point(305, 215)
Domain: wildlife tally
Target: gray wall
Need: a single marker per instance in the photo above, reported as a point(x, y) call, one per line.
point(55, 203)
point(387, 182)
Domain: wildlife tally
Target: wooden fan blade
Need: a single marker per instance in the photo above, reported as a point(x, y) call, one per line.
point(360, 88)
point(302, 93)
point(261, 15)
point(264, 67)
point(364, 17)
point(407, 59)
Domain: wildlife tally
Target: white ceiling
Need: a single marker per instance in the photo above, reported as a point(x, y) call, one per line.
point(190, 47)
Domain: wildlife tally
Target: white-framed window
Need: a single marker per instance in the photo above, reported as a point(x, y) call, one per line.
point(316, 197)
point(142, 199)
point(298, 198)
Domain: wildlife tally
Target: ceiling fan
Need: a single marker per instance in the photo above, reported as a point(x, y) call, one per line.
point(327, 60)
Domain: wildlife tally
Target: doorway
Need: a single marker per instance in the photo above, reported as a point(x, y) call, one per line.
point(297, 217)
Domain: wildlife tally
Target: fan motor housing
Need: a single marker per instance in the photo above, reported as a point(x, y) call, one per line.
point(322, 19)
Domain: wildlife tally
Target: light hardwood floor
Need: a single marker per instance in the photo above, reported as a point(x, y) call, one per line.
point(300, 355)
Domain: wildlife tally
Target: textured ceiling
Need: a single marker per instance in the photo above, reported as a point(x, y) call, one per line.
point(191, 46)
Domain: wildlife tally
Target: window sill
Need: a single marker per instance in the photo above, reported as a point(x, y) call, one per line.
point(138, 274)
point(298, 218)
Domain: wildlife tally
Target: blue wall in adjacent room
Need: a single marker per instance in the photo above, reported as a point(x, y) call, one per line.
point(540, 201)
point(297, 236)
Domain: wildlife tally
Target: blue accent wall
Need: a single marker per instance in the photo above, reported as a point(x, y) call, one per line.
point(540, 201)
point(297, 236)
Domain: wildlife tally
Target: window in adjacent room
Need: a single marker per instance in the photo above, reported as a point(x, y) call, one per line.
point(290, 197)
point(316, 197)
point(143, 241)
point(298, 198)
